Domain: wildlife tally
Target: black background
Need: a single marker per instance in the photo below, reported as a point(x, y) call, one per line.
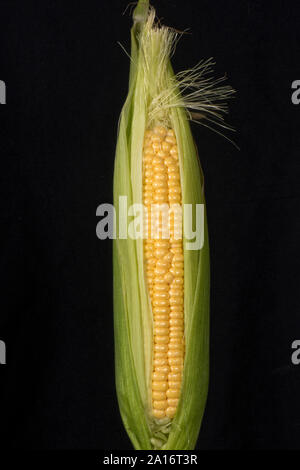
point(66, 80)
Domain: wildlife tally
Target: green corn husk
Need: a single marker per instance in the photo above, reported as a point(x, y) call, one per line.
point(154, 95)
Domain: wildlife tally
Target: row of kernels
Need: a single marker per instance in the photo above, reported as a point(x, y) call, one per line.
point(148, 200)
point(176, 322)
point(175, 353)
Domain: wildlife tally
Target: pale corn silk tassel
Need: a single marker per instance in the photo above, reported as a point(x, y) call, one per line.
point(161, 289)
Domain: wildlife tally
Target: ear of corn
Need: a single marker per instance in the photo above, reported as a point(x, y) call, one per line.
point(159, 410)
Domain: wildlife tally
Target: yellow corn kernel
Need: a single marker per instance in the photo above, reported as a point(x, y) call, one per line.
point(159, 395)
point(159, 414)
point(160, 405)
point(170, 411)
point(160, 386)
point(173, 393)
point(173, 402)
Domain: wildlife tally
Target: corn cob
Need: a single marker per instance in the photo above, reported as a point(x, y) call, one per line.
point(161, 288)
point(164, 271)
